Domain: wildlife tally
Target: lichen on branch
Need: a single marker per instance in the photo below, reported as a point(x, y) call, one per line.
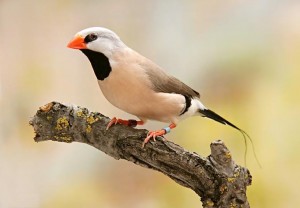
point(216, 178)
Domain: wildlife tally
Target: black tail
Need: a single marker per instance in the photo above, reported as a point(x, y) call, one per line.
point(212, 115)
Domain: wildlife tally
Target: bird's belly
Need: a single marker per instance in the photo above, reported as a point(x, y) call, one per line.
point(142, 101)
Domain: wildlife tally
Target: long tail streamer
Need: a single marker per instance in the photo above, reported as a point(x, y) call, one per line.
point(212, 115)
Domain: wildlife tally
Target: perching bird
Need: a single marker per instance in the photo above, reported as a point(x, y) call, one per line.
point(137, 85)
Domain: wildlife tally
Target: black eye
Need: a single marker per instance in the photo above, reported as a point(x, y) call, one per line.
point(91, 37)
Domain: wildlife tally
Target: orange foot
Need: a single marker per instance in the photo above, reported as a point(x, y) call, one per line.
point(154, 134)
point(130, 122)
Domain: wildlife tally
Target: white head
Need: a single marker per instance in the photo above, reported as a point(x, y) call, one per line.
point(97, 39)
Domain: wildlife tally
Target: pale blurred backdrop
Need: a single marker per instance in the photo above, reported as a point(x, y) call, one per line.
point(242, 56)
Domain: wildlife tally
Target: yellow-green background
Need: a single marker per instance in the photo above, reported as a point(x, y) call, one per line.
point(242, 56)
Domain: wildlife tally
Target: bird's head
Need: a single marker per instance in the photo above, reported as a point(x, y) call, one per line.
point(97, 39)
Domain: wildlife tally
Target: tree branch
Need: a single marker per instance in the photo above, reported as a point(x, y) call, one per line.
point(216, 178)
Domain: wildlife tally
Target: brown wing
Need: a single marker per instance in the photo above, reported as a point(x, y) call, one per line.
point(161, 82)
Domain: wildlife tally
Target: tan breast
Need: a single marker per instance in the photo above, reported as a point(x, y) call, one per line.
point(128, 88)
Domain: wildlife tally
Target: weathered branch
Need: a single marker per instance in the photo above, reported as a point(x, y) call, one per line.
point(216, 178)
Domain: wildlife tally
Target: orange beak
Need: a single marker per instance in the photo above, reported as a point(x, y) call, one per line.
point(77, 43)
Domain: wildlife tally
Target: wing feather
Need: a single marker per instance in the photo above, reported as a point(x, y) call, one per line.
point(162, 82)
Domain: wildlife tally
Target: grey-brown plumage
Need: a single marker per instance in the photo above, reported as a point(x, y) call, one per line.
point(162, 82)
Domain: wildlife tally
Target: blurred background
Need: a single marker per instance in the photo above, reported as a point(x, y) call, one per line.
point(242, 56)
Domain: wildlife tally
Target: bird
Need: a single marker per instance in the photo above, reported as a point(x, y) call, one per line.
point(138, 86)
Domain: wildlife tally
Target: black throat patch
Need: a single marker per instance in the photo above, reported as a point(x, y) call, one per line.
point(100, 63)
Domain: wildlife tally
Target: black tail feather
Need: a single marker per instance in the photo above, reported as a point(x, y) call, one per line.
point(212, 115)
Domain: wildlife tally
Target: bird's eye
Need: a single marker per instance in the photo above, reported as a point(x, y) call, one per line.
point(91, 37)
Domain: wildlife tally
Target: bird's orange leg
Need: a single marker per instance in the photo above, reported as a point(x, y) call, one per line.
point(130, 122)
point(154, 134)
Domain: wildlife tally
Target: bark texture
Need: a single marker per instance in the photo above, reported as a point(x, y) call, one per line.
point(216, 179)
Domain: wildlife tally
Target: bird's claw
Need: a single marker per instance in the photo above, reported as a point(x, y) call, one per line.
point(153, 135)
point(113, 121)
point(130, 122)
